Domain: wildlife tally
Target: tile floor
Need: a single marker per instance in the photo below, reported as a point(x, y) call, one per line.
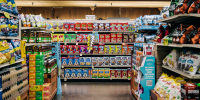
point(95, 91)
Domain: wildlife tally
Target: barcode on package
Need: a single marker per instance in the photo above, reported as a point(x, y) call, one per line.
point(149, 82)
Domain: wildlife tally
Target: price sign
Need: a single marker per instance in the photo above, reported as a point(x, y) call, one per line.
point(62, 66)
point(65, 79)
point(92, 67)
point(65, 31)
point(75, 31)
point(93, 31)
point(165, 42)
point(80, 54)
point(52, 31)
point(76, 43)
point(12, 61)
point(6, 15)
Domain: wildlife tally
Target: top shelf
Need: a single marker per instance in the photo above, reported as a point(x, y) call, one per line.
point(12, 15)
point(86, 31)
point(182, 18)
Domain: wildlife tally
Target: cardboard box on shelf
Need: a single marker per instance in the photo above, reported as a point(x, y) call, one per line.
point(24, 96)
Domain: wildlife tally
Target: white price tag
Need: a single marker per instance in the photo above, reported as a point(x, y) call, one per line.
point(129, 79)
point(52, 31)
point(65, 79)
point(92, 67)
point(76, 43)
point(62, 66)
point(123, 43)
point(65, 31)
point(75, 31)
point(110, 78)
point(93, 31)
point(80, 54)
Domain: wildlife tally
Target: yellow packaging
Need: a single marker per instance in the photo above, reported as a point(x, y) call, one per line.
point(35, 87)
point(31, 81)
point(31, 75)
point(31, 94)
point(31, 69)
point(106, 49)
point(101, 73)
point(112, 49)
point(61, 37)
point(95, 73)
point(118, 49)
point(31, 63)
point(32, 57)
point(107, 73)
point(55, 37)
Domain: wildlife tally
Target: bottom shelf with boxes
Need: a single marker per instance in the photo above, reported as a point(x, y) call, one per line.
point(95, 73)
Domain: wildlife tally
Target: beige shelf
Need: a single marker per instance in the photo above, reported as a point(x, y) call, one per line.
point(31, 44)
point(12, 15)
point(179, 45)
point(8, 37)
point(8, 63)
point(96, 66)
point(30, 28)
point(99, 54)
point(99, 78)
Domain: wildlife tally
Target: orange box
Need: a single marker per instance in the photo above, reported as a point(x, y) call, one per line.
point(31, 94)
point(31, 75)
point(31, 81)
point(31, 69)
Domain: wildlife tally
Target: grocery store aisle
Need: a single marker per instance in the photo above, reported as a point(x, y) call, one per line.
point(95, 91)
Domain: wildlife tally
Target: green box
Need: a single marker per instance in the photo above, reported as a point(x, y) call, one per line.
point(39, 57)
point(49, 70)
point(67, 38)
point(39, 81)
point(39, 63)
point(38, 94)
point(38, 98)
point(39, 70)
point(39, 75)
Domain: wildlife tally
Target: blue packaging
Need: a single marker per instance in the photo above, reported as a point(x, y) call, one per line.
point(79, 73)
point(64, 61)
point(76, 60)
point(88, 61)
point(85, 73)
point(82, 61)
point(67, 73)
point(73, 73)
point(70, 61)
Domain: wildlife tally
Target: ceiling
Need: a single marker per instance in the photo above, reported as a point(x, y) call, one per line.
point(103, 3)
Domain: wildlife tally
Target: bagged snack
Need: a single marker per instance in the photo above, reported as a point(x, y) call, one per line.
point(16, 45)
point(159, 83)
point(182, 53)
point(184, 38)
point(184, 59)
point(192, 64)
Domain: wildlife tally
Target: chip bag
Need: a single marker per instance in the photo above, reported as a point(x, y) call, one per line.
point(4, 52)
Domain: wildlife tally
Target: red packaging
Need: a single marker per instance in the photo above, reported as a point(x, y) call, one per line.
point(124, 73)
point(112, 73)
point(112, 26)
point(107, 38)
point(101, 26)
point(83, 27)
point(65, 48)
point(61, 38)
point(117, 72)
point(84, 38)
point(119, 37)
point(101, 38)
point(129, 72)
point(76, 49)
point(113, 38)
point(66, 26)
point(71, 27)
point(78, 37)
point(77, 26)
point(119, 27)
point(61, 49)
point(89, 26)
point(125, 27)
point(70, 49)
point(125, 38)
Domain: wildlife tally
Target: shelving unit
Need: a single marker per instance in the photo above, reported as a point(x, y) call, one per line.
point(8, 63)
point(99, 78)
point(12, 15)
point(31, 44)
point(180, 45)
point(76, 43)
point(32, 28)
point(97, 54)
point(8, 37)
point(96, 66)
point(87, 31)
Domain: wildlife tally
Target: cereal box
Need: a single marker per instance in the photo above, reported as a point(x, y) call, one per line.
point(131, 38)
point(65, 47)
point(70, 49)
point(95, 61)
point(118, 60)
point(101, 38)
point(76, 60)
point(83, 26)
point(113, 26)
point(129, 72)
point(119, 37)
point(95, 49)
point(67, 38)
point(76, 49)
point(129, 60)
point(61, 37)
point(112, 49)
point(90, 72)
point(106, 49)
point(100, 61)
point(77, 26)
point(101, 26)
point(88, 61)
point(124, 73)
point(119, 27)
point(67, 73)
point(70, 61)
point(95, 73)
point(101, 73)
point(85, 73)
point(73, 38)
point(96, 38)
point(79, 38)
point(61, 49)
point(62, 73)
point(73, 73)
point(84, 38)
point(113, 38)
point(106, 72)
point(64, 61)
point(130, 48)
point(71, 26)
point(101, 49)
point(125, 38)
point(79, 73)
point(82, 61)
point(106, 61)
point(118, 49)
point(95, 27)
point(112, 61)
point(66, 26)
point(125, 27)
point(118, 74)
point(55, 38)
point(112, 73)
point(124, 60)
point(124, 49)
point(82, 49)
point(107, 26)
point(107, 38)
point(89, 26)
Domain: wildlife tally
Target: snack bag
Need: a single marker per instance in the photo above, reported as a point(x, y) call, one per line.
point(112, 61)
point(82, 61)
point(173, 59)
point(101, 49)
point(112, 49)
point(95, 49)
point(88, 61)
point(192, 64)
point(160, 83)
point(4, 49)
point(184, 59)
point(106, 61)
point(107, 38)
point(100, 61)
point(113, 38)
point(16, 46)
point(118, 60)
point(182, 53)
point(95, 61)
point(106, 49)
point(118, 49)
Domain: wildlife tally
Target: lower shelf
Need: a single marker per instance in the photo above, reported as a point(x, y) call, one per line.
point(99, 78)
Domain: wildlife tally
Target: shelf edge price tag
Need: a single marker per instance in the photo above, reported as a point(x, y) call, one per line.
point(93, 31)
point(165, 42)
point(6, 15)
point(76, 43)
point(80, 54)
point(12, 61)
point(128, 78)
point(62, 66)
point(75, 31)
point(65, 31)
point(92, 67)
point(65, 79)
point(52, 31)
point(110, 78)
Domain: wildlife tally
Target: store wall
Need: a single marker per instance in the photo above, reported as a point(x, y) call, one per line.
point(80, 12)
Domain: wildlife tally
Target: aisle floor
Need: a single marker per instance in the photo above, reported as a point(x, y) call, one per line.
point(95, 91)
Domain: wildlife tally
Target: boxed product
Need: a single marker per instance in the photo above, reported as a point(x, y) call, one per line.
point(55, 38)
point(125, 27)
point(90, 72)
point(71, 26)
point(95, 73)
point(67, 73)
point(82, 49)
point(76, 49)
point(70, 61)
point(112, 26)
point(85, 73)
point(79, 38)
point(112, 49)
point(89, 26)
point(129, 60)
point(72, 38)
point(77, 26)
point(84, 38)
point(124, 73)
point(112, 73)
point(95, 27)
point(106, 49)
point(101, 49)
point(100, 61)
point(130, 48)
point(124, 49)
point(107, 73)
point(95, 49)
point(79, 73)
point(190, 91)
point(118, 73)
point(32, 94)
point(112, 61)
point(131, 38)
point(67, 38)
point(101, 73)
point(124, 60)
point(88, 61)
point(73, 72)
point(106, 61)
point(113, 38)
point(119, 27)
point(61, 37)
point(83, 26)
point(64, 61)
point(129, 73)
point(101, 26)
point(118, 49)
point(31, 75)
point(107, 38)
point(119, 37)
point(107, 26)
point(82, 61)
point(118, 60)
point(101, 38)
point(95, 61)
point(62, 73)
point(66, 26)
point(96, 38)
point(70, 49)
point(76, 60)
point(125, 38)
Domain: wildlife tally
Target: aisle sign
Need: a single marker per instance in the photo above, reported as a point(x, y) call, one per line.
point(6, 15)
point(165, 42)
point(12, 61)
